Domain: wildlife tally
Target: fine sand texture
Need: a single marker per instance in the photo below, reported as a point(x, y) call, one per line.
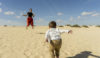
point(17, 42)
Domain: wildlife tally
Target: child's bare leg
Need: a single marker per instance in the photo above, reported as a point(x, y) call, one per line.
point(51, 50)
point(52, 53)
point(32, 24)
point(32, 27)
point(26, 27)
point(57, 52)
point(57, 56)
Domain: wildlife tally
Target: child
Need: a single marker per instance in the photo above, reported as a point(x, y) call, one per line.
point(29, 19)
point(54, 39)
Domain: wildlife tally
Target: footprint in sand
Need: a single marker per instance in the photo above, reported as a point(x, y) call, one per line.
point(27, 53)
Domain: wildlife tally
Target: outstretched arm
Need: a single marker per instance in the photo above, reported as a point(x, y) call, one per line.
point(24, 15)
point(65, 31)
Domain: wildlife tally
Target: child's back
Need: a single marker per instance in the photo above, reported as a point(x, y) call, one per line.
point(53, 37)
point(54, 33)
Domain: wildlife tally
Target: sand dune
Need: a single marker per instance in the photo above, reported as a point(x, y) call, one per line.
point(17, 42)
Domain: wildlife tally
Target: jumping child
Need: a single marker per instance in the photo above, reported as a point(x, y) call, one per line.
point(30, 19)
point(54, 39)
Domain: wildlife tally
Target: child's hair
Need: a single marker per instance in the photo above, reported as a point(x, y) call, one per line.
point(30, 9)
point(52, 24)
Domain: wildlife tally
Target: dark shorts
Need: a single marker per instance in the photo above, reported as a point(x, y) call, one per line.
point(29, 21)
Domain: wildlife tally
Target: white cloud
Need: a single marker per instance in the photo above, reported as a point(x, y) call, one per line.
point(0, 9)
point(18, 17)
point(93, 13)
point(41, 21)
point(86, 13)
point(71, 18)
point(9, 22)
point(21, 14)
point(79, 17)
point(59, 13)
point(9, 13)
point(96, 14)
point(51, 16)
point(59, 21)
point(0, 3)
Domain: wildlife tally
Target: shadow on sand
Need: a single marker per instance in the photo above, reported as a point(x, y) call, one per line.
point(41, 33)
point(84, 54)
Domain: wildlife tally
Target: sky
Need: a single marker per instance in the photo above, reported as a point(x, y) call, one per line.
point(82, 12)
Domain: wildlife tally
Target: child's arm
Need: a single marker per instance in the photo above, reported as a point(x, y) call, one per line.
point(24, 15)
point(65, 31)
point(47, 36)
point(46, 40)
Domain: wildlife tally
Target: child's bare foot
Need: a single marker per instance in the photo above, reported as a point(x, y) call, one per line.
point(57, 56)
point(32, 27)
point(46, 40)
point(70, 32)
point(26, 28)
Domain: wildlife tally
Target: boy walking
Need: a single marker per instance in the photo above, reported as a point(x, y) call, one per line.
point(54, 39)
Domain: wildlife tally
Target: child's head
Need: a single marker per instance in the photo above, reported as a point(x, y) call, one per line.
point(52, 24)
point(30, 10)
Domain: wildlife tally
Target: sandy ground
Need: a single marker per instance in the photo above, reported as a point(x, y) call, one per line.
point(17, 42)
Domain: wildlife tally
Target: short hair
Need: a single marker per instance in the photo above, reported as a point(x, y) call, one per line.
point(30, 8)
point(52, 24)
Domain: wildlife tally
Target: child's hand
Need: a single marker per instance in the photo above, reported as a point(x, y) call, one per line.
point(46, 40)
point(70, 32)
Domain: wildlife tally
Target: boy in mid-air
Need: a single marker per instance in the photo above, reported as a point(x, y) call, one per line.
point(54, 39)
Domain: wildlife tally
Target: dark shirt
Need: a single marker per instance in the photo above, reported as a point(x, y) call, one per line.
point(30, 14)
